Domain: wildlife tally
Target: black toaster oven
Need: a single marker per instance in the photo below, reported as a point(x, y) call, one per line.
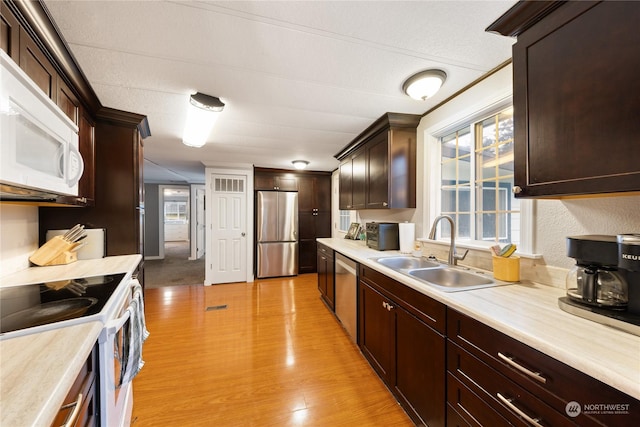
point(383, 236)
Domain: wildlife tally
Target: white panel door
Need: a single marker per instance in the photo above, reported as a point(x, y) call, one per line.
point(228, 229)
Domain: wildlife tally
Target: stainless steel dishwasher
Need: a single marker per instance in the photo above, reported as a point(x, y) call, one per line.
point(346, 296)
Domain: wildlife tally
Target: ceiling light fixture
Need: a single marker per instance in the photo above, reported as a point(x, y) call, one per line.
point(201, 116)
point(300, 164)
point(424, 84)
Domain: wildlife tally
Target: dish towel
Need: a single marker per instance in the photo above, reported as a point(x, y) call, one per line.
point(134, 334)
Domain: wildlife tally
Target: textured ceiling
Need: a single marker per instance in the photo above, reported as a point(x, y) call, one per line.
point(300, 79)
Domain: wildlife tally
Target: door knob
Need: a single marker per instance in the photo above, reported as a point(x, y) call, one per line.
point(243, 234)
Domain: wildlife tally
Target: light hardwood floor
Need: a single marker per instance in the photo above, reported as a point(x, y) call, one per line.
point(269, 354)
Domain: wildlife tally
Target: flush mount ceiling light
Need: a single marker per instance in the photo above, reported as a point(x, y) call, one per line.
point(300, 164)
point(201, 116)
point(424, 84)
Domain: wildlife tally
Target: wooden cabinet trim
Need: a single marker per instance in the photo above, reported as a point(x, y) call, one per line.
point(388, 120)
point(522, 16)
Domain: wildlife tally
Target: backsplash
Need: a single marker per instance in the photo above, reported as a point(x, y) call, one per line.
point(19, 231)
point(532, 269)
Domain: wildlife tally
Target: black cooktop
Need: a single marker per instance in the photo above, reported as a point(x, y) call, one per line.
point(44, 303)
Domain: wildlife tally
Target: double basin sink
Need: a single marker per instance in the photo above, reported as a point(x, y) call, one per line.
point(434, 273)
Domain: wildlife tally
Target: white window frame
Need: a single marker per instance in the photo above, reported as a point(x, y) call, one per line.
point(345, 218)
point(432, 145)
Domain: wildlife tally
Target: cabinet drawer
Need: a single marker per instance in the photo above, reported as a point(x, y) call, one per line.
point(455, 420)
point(470, 407)
point(430, 311)
point(325, 250)
point(81, 397)
point(551, 381)
point(494, 388)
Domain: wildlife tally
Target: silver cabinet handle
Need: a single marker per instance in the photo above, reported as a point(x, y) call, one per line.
point(77, 405)
point(385, 204)
point(517, 189)
point(514, 408)
point(511, 362)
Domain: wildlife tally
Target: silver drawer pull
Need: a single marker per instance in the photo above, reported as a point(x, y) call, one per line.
point(535, 375)
point(514, 408)
point(73, 416)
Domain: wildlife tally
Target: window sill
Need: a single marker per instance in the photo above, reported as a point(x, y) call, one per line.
point(481, 246)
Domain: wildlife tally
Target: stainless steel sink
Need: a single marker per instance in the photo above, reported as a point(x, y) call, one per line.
point(407, 262)
point(439, 275)
point(450, 279)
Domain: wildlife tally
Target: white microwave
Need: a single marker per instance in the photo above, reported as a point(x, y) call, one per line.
point(38, 142)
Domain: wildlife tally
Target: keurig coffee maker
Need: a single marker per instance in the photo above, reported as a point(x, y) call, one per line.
point(604, 285)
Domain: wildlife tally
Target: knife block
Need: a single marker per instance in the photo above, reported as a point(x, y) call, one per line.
point(54, 252)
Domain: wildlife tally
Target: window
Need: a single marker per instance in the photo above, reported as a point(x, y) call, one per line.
point(175, 212)
point(476, 177)
point(345, 220)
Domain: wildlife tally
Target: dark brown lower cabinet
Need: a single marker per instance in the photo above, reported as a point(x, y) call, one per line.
point(326, 282)
point(495, 380)
point(401, 335)
point(80, 407)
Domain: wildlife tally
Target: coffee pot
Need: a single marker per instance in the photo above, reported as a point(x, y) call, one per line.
point(597, 285)
point(596, 280)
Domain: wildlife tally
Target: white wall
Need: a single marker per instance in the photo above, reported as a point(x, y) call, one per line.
point(19, 231)
point(556, 219)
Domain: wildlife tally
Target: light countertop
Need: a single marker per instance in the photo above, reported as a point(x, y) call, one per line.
point(529, 312)
point(37, 370)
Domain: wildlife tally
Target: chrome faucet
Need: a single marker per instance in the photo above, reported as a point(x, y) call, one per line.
point(453, 256)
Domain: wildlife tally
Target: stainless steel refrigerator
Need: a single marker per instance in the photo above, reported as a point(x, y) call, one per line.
point(277, 233)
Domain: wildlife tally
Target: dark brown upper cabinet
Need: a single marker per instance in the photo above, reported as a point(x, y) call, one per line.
point(32, 40)
point(378, 168)
point(9, 32)
point(265, 179)
point(575, 95)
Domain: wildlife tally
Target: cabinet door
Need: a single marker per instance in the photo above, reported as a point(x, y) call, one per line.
point(275, 181)
point(331, 289)
point(378, 172)
point(322, 193)
point(37, 66)
point(287, 183)
point(325, 276)
point(86, 140)
point(322, 272)
point(307, 256)
point(420, 369)
point(67, 101)
point(377, 332)
point(9, 33)
point(306, 193)
point(264, 181)
point(345, 200)
point(359, 180)
point(576, 122)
